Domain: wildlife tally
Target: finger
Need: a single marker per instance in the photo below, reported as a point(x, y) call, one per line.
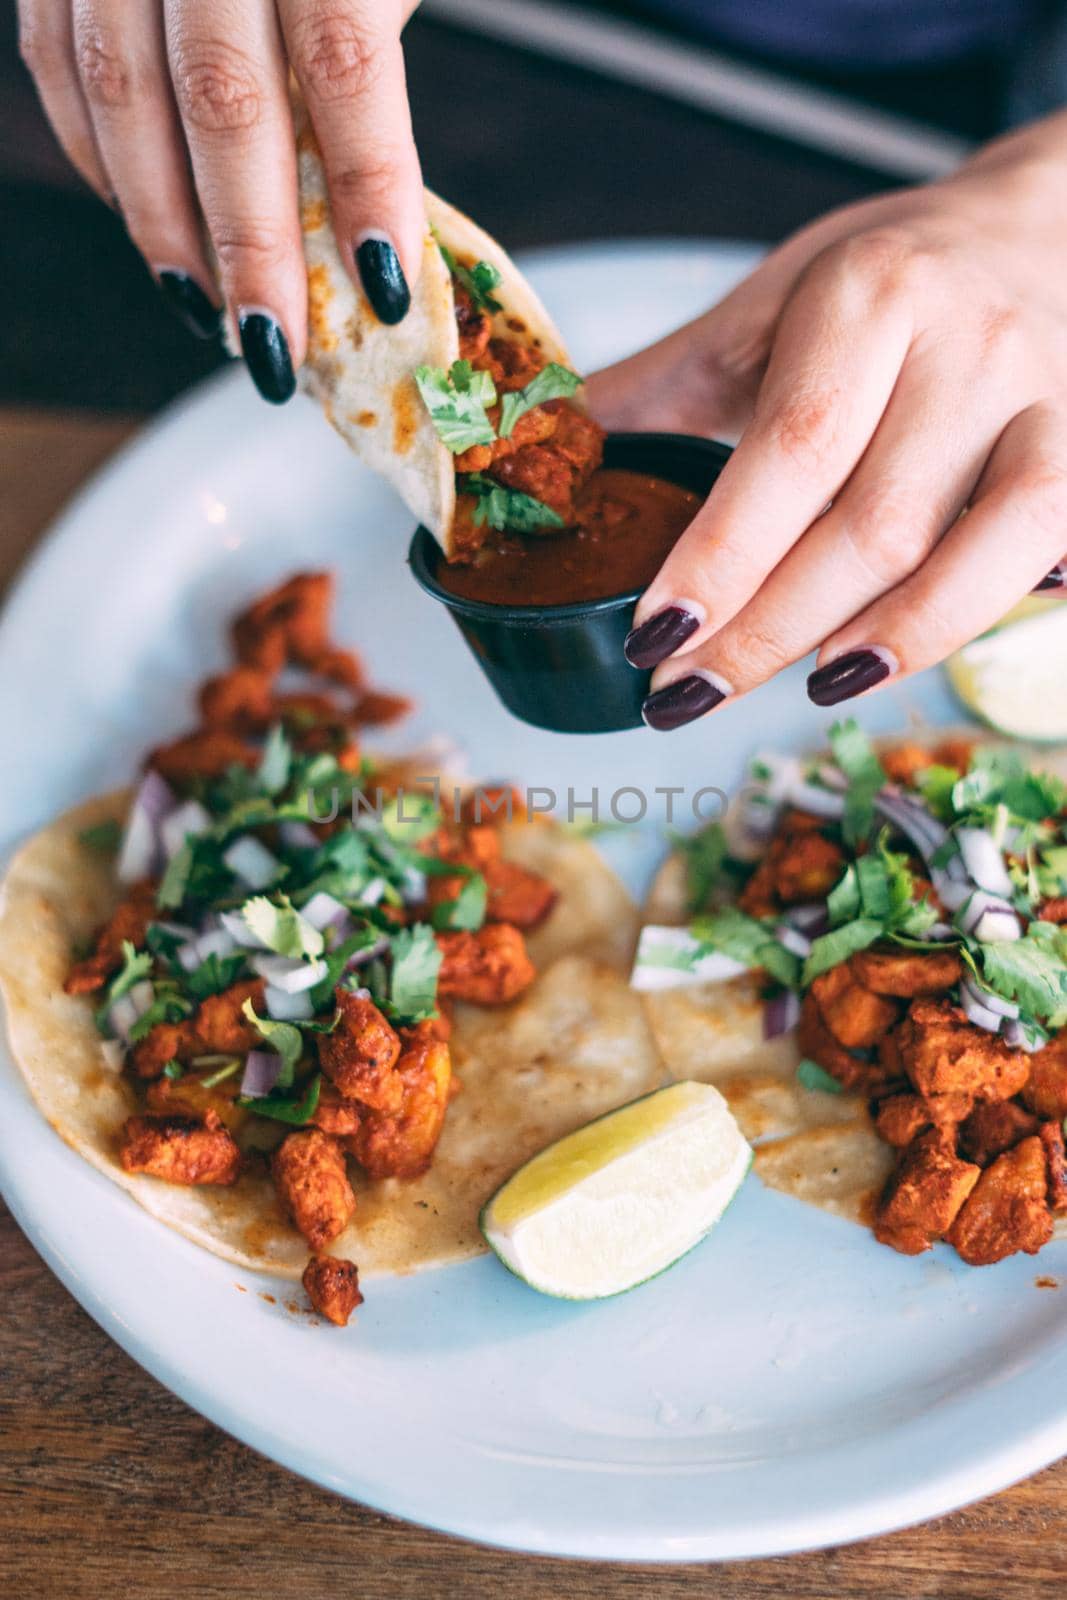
point(46, 41)
point(229, 74)
point(347, 57)
point(121, 59)
point(994, 555)
point(918, 473)
point(839, 348)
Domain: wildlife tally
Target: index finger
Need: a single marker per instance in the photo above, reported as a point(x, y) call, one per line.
point(349, 63)
point(836, 356)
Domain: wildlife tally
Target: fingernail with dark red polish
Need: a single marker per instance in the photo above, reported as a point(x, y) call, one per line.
point(1056, 579)
point(383, 279)
point(185, 298)
point(662, 634)
point(851, 674)
point(266, 352)
point(684, 700)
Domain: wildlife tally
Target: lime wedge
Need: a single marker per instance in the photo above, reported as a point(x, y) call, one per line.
point(621, 1199)
point(1013, 677)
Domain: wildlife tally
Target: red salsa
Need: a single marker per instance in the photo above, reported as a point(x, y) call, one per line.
point(625, 525)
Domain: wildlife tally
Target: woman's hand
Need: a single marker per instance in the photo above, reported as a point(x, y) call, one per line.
point(897, 363)
point(177, 113)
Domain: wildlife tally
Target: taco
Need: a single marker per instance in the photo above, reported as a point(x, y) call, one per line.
point(470, 406)
point(869, 960)
point(292, 998)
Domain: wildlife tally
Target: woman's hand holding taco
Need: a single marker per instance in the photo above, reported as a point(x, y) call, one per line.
point(177, 113)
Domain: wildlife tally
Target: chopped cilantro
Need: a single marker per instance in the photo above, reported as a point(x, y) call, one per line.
point(276, 762)
point(292, 1108)
point(136, 965)
point(281, 928)
point(746, 939)
point(1032, 970)
point(507, 508)
point(812, 1076)
point(413, 982)
point(283, 1037)
point(467, 910)
point(104, 837)
point(703, 854)
point(214, 974)
point(551, 383)
point(456, 401)
point(479, 280)
point(836, 946)
point(173, 1069)
point(855, 756)
point(227, 1070)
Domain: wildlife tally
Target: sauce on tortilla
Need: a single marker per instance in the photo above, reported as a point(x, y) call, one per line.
point(627, 523)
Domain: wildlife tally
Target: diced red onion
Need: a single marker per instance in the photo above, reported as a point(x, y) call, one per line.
point(979, 1014)
point(251, 861)
point(140, 853)
point(261, 1073)
point(413, 886)
point(816, 801)
point(187, 821)
point(130, 1008)
point(1021, 1038)
point(793, 940)
point(322, 911)
point(298, 836)
point(983, 861)
point(282, 1007)
point(913, 820)
point(830, 774)
point(781, 1014)
point(372, 893)
point(991, 1002)
point(940, 930)
point(812, 918)
point(219, 942)
point(290, 976)
point(951, 893)
point(371, 953)
point(978, 904)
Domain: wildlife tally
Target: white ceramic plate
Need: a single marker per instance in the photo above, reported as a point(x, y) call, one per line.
point(792, 1383)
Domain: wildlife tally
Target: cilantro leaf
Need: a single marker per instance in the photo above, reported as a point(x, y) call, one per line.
point(1001, 777)
point(855, 756)
point(936, 784)
point(136, 964)
point(416, 963)
point(410, 817)
point(467, 910)
point(214, 974)
point(479, 280)
point(171, 891)
point(836, 946)
point(1032, 970)
point(551, 383)
point(747, 940)
point(284, 1039)
point(507, 508)
point(703, 854)
point(456, 401)
point(281, 928)
point(168, 1006)
point(812, 1076)
point(103, 837)
point(296, 1110)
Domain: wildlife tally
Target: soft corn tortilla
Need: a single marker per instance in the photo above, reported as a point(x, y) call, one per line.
point(576, 1045)
point(360, 370)
point(821, 1148)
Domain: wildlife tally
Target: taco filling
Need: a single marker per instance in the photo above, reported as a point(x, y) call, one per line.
point(296, 924)
point(906, 914)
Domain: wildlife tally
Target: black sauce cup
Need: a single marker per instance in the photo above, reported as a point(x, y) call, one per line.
point(562, 667)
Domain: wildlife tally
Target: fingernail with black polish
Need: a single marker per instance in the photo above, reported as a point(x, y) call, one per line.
point(184, 297)
point(266, 352)
point(851, 674)
point(662, 634)
point(383, 279)
point(684, 700)
point(1056, 579)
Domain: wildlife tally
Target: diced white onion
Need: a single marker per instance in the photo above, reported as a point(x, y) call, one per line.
point(251, 861)
point(322, 910)
point(997, 927)
point(235, 925)
point(983, 861)
point(1019, 1037)
point(979, 1014)
point(298, 836)
point(793, 940)
point(374, 890)
point(979, 903)
point(289, 976)
point(113, 1054)
point(282, 1007)
point(413, 886)
point(816, 801)
point(186, 821)
point(991, 1001)
point(219, 942)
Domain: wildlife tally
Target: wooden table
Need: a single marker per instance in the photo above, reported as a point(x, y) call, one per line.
point(111, 1489)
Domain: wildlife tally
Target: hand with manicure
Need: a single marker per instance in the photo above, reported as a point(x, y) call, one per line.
point(177, 113)
point(898, 373)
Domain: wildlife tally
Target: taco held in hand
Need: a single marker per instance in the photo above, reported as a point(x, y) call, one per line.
point(302, 999)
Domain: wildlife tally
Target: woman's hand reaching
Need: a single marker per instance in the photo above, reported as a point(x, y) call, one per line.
point(892, 366)
point(177, 113)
